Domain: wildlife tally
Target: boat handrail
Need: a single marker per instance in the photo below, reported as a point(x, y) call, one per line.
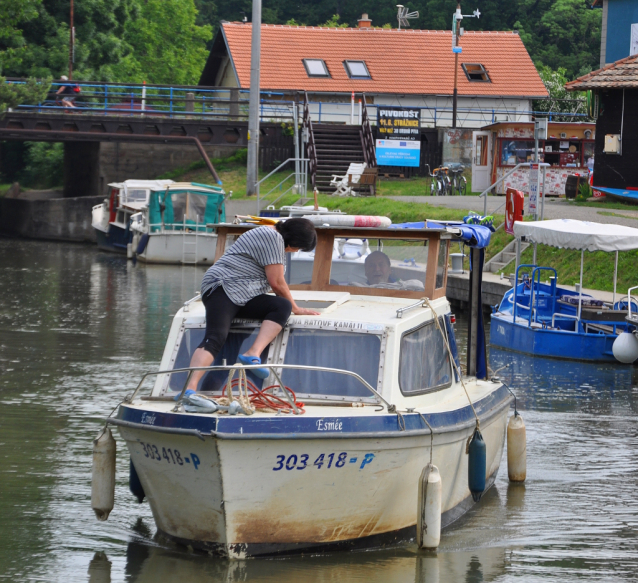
point(532, 294)
point(389, 406)
point(401, 311)
point(629, 300)
point(516, 288)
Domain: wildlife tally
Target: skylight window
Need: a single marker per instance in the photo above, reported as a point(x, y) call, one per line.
point(476, 72)
point(357, 69)
point(316, 68)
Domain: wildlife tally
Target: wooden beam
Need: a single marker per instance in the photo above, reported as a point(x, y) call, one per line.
point(432, 266)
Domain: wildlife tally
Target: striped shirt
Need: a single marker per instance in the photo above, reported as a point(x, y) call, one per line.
point(241, 269)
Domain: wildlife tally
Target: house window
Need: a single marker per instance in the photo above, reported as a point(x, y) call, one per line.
point(316, 68)
point(357, 69)
point(476, 72)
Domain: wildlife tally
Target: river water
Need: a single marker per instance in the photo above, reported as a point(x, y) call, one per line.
point(78, 328)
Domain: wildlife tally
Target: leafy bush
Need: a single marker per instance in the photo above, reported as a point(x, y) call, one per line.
point(44, 165)
point(584, 192)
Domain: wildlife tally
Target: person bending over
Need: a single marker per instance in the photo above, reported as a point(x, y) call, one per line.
point(236, 286)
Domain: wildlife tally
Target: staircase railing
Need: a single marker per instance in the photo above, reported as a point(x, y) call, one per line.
point(367, 139)
point(309, 138)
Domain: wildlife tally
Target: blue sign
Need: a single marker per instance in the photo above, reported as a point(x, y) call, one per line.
point(398, 153)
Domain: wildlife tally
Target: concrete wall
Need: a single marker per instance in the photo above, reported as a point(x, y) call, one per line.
point(120, 161)
point(61, 219)
point(81, 169)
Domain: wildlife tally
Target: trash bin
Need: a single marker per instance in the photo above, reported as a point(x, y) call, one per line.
point(572, 185)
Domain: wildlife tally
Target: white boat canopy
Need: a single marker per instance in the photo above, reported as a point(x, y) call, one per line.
point(581, 235)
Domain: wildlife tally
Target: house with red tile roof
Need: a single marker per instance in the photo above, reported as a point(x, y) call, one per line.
point(411, 68)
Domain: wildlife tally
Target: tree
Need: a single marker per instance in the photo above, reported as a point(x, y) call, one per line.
point(167, 46)
point(560, 100)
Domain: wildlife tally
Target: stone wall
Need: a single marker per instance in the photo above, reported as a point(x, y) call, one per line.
point(60, 219)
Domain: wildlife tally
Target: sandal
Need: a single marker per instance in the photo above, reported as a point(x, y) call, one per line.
point(261, 373)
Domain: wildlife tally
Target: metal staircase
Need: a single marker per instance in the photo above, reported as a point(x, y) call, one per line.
point(504, 257)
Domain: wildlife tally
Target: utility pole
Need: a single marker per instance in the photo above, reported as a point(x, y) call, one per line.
point(253, 105)
point(456, 30)
point(71, 44)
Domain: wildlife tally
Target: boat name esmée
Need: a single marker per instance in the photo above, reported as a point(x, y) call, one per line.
point(335, 425)
point(148, 419)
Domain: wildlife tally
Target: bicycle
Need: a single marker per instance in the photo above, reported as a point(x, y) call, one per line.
point(458, 181)
point(440, 184)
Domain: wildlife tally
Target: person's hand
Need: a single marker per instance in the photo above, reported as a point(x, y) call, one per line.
point(297, 311)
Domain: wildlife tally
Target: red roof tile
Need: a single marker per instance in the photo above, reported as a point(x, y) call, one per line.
point(623, 73)
point(400, 62)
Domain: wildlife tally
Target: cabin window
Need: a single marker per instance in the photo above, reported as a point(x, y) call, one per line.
point(353, 351)
point(379, 263)
point(316, 68)
point(188, 206)
point(424, 362)
point(476, 72)
point(357, 69)
point(238, 341)
point(441, 268)
point(135, 195)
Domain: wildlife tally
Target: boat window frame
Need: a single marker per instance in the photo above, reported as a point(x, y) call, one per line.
point(437, 388)
point(338, 326)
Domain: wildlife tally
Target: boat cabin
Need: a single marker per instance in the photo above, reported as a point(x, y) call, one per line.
point(369, 286)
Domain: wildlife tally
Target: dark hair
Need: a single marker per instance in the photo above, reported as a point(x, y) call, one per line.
point(387, 259)
point(298, 233)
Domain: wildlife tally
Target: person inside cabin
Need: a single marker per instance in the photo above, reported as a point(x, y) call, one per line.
point(378, 268)
point(237, 286)
point(66, 93)
point(378, 272)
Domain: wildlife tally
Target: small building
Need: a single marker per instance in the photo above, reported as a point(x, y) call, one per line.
point(497, 79)
point(619, 30)
point(614, 104)
point(498, 148)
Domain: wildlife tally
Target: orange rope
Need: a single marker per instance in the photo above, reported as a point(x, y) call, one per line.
point(261, 400)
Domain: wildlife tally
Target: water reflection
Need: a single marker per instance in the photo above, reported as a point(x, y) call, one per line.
point(77, 330)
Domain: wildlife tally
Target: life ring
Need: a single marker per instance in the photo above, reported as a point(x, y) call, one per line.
point(340, 220)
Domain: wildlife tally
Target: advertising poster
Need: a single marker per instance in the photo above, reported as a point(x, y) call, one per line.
point(399, 133)
point(532, 203)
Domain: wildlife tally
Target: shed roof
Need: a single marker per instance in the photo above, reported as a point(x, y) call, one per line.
point(399, 61)
point(621, 74)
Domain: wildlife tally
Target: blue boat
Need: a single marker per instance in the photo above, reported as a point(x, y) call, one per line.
point(539, 318)
point(622, 194)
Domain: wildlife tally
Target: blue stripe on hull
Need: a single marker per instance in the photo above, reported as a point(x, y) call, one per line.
point(301, 426)
point(551, 343)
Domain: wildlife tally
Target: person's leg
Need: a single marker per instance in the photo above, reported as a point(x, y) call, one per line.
point(274, 313)
point(220, 311)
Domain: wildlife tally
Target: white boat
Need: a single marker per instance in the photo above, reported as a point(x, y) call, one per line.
point(177, 225)
point(381, 399)
point(111, 219)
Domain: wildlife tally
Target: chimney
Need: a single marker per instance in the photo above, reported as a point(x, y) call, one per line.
point(364, 21)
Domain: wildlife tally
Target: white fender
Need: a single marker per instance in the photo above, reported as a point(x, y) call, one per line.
point(516, 449)
point(428, 527)
point(625, 348)
point(103, 475)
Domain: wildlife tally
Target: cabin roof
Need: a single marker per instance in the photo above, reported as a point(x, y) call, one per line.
point(621, 74)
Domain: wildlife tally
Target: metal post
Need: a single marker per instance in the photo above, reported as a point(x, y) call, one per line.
point(580, 291)
point(144, 96)
point(475, 306)
point(71, 43)
point(534, 258)
point(543, 194)
point(352, 109)
point(518, 257)
point(295, 121)
point(253, 105)
point(613, 301)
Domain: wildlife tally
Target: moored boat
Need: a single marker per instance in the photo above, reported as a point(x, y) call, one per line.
point(111, 219)
point(540, 318)
point(178, 224)
point(328, 451)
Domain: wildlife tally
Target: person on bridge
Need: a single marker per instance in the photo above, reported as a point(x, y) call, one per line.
point(66, 93)
point(237, 286)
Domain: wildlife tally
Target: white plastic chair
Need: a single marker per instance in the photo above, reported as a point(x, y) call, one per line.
point(343, 184)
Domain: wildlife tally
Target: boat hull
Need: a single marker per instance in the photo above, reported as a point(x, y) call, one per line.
point(114, 240)
point(267, 494)
point(178, 247)
point(562, 344)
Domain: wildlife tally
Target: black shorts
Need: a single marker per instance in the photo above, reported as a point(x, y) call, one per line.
point(220, 312)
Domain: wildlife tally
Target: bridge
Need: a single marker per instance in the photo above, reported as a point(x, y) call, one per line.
point(208, 119)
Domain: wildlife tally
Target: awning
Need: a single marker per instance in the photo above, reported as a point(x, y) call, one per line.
point(581, 235)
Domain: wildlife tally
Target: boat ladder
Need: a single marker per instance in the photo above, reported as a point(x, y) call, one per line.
point(189, 244)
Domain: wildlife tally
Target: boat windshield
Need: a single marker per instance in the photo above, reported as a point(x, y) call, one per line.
point(380, 263)
point(188, 206)
point(352, 351)
point(239, 340)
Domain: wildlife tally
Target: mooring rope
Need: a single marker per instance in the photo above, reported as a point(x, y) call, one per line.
point(431, 436)
point(456, 367)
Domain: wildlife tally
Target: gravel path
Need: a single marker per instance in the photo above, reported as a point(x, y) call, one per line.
point(554, 208)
